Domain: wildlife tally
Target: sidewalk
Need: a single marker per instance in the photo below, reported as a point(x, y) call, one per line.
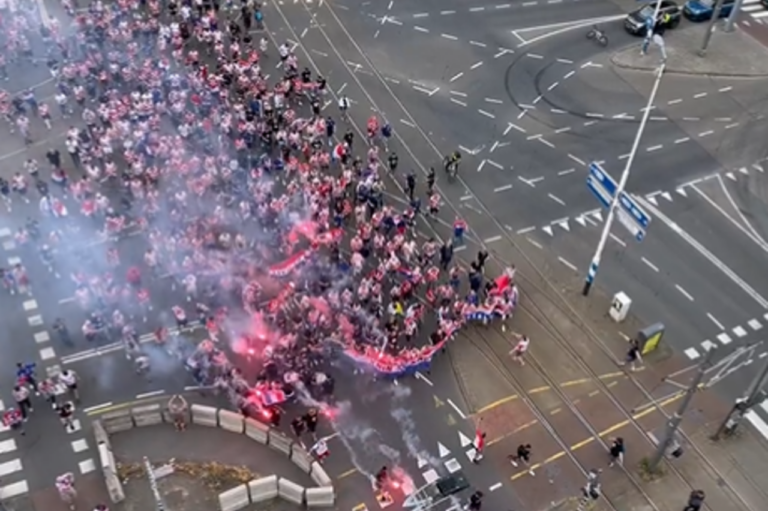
point(728, 470)
point(735, 54)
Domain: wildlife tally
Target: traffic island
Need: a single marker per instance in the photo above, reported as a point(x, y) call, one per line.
point(734, 54)
point(214, 464)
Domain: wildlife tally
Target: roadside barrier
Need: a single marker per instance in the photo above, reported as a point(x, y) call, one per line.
point(240, 497)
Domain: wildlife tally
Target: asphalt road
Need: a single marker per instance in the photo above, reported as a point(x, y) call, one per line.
point(535, 117)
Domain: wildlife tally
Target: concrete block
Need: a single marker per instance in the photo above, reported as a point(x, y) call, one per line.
point(117, 421)
point(290, 491)
point(257, 430)
point(107, 459)
point(263, 489)
point(148, 415)
point(235, 499)
point(204, 416)
point(280, 442)
point(168, 417)
point(320, 497)
point(302, 459)
point(320, 476)
point(231, 421)
point(102, 437)
point(114, 488)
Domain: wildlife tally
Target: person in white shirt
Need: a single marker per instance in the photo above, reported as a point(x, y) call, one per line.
point(69, 379)
point(520, 348)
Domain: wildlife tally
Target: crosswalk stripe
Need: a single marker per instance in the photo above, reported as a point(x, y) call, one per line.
point(761, 14)
point(751, 8)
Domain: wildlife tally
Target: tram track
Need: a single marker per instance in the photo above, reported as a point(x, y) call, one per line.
point(494, 359)
point(529, 271)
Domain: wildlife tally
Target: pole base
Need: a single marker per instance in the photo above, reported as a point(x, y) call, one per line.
point(587, 287)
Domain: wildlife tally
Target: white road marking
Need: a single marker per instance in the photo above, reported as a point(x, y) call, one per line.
point(476, 65)
point(650, 264)
point(497, 485)
point(557, 111)
point(487, 114)
point(725, 89)
point(456, 77)
point(618, 240)
point(590, 123)
point(449, 36)
point(563, 130)
point(534, 243)
point(457, 93)
point(421, 29)
point(511, 127)
point(421, 15)
point(576, 159)
point(502, 188)
point(674, 101)
point(565, 61)
point(556, 199)
point(476, 9)
point(569, 74)
point(454, 100)
point(534, 56)
point(739, 331)
point(730, 126)
point(691, 353)
point(654, 148)
point(553, 86)
point(447, 13)
point(494, 164)
point(458, 410)
point(408, 123)
point(566, 172)
point(706, 133)
point(475, 43)
point(596, 116)
point(681, 140)
point(492, 239)
point(684, 292)
point(494, 101)
point(546, 142)
point(568, 263)
point(699, 95)
point(526, 229)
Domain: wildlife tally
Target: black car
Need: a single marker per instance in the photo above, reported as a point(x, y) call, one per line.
point(637, 22)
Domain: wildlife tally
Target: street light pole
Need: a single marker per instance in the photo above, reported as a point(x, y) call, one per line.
point(592, 272)
point(734, 14)
point(711, 28)
point(752, 397)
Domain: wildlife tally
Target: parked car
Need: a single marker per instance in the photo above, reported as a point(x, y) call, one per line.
point(636, 22)
point(702, 10)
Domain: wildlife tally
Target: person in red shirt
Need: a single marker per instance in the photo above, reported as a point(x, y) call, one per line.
point(479, 446)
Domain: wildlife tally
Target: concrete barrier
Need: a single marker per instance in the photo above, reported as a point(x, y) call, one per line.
point(231, 421)
point(320, 476)
point(280, 442)
point(117, 421)
point(148, 415)
point(319, 497)
point(257, 431)
point(235, 499)
point(301, 459)
point(114, 488)
point(290, 491)
point(204, 416)
point(100, 433)
point(263, 489)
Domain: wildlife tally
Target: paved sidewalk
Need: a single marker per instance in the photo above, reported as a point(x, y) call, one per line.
point(734, 54)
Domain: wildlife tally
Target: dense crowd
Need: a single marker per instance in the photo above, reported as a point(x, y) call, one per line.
point(247, 193)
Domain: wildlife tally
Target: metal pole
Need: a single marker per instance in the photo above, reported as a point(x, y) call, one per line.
point(743, 405)
point(732, 17)
point(674, 422)
point(592, 272)
point(710, 28)
point(159, 505)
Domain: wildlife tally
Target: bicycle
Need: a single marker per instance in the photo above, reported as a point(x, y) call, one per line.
point(597, 34)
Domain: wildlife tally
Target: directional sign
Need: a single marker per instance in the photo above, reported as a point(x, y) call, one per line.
point(629, 213)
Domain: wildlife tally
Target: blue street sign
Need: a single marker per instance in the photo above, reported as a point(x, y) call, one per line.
point(630, 214)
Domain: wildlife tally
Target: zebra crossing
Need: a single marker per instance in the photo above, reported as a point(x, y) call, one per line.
point(11, 466)
point(754, 9)
point(726, 337)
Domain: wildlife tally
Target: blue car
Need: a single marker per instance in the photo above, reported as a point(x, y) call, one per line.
point(702, 10)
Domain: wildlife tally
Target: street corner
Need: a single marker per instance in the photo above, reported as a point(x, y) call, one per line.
point(741, 53)
point(506, 417)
